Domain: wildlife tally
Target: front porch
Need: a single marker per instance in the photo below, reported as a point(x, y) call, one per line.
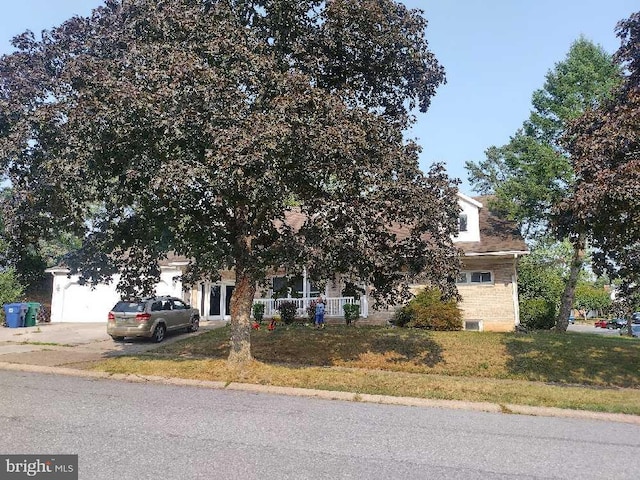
point(213, 300)
point(333, 305)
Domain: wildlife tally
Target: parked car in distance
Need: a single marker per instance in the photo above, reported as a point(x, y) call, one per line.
point(572, 319)
point(601, 323)
point(635, 317)
point(616, 323)
point(151, 318)
point(635, 330)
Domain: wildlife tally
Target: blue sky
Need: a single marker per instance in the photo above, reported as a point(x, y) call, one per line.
point(495, 53)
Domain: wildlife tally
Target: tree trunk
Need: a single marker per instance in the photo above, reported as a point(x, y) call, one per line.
point(241, 304)
point(562, 321)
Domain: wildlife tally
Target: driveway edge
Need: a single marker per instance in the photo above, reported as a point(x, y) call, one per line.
point(334, 395)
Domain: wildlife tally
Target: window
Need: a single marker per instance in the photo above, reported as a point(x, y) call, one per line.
point(280, 287)
point(179, 305)
point(474, 277)
point(283, 287)
point(480, 277)
point(129, 307)
point(462, 222)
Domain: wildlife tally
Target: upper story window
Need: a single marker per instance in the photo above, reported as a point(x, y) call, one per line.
point(462, 222)
point(481, 277)
point(475, 277)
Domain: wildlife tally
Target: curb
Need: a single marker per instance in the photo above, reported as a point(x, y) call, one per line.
point(334, 395)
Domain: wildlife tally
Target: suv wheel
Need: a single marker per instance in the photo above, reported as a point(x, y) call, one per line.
point(117, 338)
point(158, 333)
point(195, 324)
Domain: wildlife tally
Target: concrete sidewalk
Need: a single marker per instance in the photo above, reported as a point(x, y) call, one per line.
point(73, 344)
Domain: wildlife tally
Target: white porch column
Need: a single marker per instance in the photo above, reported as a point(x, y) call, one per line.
point(305, 288)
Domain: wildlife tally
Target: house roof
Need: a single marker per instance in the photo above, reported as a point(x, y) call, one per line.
point(497, 235)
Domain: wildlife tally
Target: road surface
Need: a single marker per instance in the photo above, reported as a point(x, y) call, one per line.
point(136, 431)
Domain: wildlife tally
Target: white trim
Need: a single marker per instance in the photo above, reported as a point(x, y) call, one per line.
point(470, 200)
point(510, 253)
point(54, 270)
point(516, 303)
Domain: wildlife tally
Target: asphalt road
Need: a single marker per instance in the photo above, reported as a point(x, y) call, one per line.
point(591, 329)
point(136, 431)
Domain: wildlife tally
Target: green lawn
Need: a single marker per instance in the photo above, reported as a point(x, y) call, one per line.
point(582, 371)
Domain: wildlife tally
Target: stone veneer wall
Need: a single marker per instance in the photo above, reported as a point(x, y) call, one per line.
point(492, 303)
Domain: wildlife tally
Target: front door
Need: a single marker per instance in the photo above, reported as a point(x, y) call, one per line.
point(214, 301)
point(227, 304)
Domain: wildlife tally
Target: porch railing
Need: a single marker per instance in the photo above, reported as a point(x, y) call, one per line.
point(333, 305)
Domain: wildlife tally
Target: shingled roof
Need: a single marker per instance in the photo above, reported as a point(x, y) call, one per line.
point(496, 234)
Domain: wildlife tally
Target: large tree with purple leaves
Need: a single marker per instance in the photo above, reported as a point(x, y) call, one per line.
point(194, 127)
point(605, 151)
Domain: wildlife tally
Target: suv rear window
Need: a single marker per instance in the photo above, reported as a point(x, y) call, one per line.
point(129, 307)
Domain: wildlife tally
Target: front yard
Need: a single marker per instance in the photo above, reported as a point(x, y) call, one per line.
point(580, 371)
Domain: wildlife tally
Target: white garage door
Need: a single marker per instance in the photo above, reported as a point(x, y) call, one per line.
point(82, 304)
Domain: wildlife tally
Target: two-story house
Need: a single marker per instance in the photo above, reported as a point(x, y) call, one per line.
point(487, 284)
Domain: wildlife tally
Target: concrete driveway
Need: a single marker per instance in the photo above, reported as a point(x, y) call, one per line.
point(71, 344)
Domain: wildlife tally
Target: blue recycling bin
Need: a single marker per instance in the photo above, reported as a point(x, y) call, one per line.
point(15, 314)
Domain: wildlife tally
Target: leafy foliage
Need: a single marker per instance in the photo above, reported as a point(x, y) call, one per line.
point(605, 151)
point(591, 298)
point(537, 313)
point(401, 317)
point(161, 126)
point(311, 312)
point(351, 312)
point(532, 175)
point(258, 312)
point(11, 290)
point(287, 312)
point(429, 310)
point(541, 274)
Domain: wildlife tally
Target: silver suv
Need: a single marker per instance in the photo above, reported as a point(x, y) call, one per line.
point(151, 317)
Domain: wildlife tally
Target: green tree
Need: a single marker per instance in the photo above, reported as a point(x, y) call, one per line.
point(532, 175)
point(605, 151)
point(33, 253)
point(539, 276)
point(11, 290)
point(591, 298)
point(184, 126)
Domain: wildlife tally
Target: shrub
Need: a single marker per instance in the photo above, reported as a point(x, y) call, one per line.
point(311, 312)
point(537, 313)
point(401, 317)
point(428, 310)
point(287, 312)
point(11, 290)
point(258, 312)
point(351, 312)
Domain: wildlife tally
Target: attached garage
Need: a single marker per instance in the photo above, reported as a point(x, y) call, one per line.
point(73, 302)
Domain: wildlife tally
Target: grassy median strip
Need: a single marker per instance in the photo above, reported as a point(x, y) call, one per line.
point(579, 371)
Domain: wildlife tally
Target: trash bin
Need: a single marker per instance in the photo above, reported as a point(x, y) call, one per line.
point(15, 313)
point(31, 317)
